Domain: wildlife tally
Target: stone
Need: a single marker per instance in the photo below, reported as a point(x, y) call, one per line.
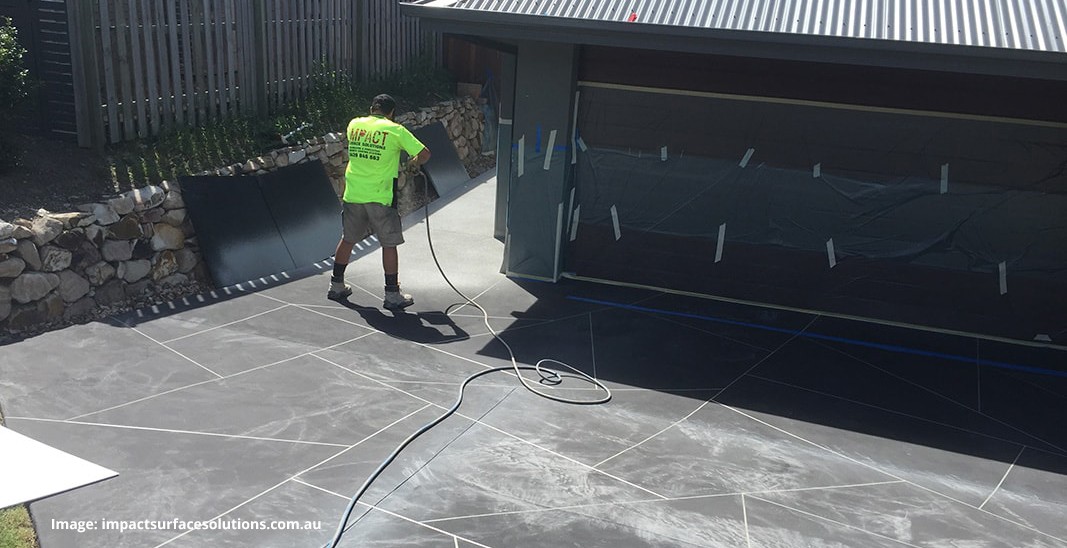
point(69, 220)
point(55, 259)
point(72, 286)
point(7, 230)
point(143, 250)
point(126, 229)
point(266, 161)
point(152, 215)
point(95, 234)
point(167, 237)
point(51, 307)
point(23, 317)
point(110, 293)
point(117, 250)
point(88, 220)
point(174, 279)
point(186, 258)
point(5, 302)
point(99, 273)
point(339, 160)
point(27, 251)
point(31, 286)
point(131, 271)
point(70, 239)
point(22, 232)
point(12, 267)
point(146, 197)
point(174, 200)
point(313, 149)
point(281, 160)
point(171, 186)
point(165, 265)
point(251, 166)
point(148, 230)
point(174, 217)
point(80, 309)
point(138, 289)
point(105, 214)
point(45, 229)
point(297, 156)
point(84, 256)
point(8, 245)
point(122, 205)
point(332, 137)
point(334, 149)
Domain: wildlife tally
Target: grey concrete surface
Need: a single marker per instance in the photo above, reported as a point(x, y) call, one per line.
point(730, 426)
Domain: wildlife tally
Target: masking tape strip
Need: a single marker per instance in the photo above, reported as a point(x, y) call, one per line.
point(817, 171)
point(522, 154)
point(1003, 278)
point(615, 222)
point(663, 154)
point(722, 240)
point(505, 121)
point(944, 178)
point(748, 156)
point(574, 128)
point(581, 144)
point(548, 153)
point(570, 208)
point(830, 255)
point(574, 222)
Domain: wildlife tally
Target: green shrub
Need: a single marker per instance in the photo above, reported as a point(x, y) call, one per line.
point(14, 87)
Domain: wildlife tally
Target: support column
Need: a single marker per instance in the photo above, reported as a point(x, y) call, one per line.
point(541, 171)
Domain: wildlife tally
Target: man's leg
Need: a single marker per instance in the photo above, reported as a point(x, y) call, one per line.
point(338, 289)
point(394, 299)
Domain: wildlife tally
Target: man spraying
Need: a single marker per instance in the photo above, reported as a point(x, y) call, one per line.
point(374, 145)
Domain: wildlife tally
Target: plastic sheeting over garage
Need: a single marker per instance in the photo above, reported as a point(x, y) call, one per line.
point(958, 222)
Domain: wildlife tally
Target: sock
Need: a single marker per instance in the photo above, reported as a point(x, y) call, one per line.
point(391, 283)
point(339, 273)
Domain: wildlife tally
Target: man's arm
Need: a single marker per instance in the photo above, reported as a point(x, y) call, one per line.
point(421, 158)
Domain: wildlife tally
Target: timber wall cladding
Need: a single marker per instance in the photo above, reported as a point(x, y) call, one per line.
point(147, 65)
point(42, 30)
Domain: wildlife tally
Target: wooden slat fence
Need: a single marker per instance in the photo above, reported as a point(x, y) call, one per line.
point(146, 66)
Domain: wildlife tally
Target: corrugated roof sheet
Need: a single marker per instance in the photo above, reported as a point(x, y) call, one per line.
point(1038, 25)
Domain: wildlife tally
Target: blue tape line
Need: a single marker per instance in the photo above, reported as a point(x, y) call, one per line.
point(855, 342)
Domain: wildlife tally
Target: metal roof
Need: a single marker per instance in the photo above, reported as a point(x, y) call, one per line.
point(1034, 25)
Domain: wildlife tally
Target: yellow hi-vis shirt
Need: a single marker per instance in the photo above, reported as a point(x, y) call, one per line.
point(374, 144)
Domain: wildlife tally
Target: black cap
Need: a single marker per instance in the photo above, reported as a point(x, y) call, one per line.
point(383, 103)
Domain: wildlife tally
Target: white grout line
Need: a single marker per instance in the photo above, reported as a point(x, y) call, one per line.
point(491, 427)
point(194, 362)
point(642, 442)
point(592, 344)
point(230, 376)
point(224, 325)
point(901, 413)
point(835, 522)
point(294, 476)
point(744, 516)
point(176, 431)
point(709, 400)
point(454, 536)
point(940, 395)
point(894, 476)
point(1001, 482)
point(657, 501)
point(705, 331)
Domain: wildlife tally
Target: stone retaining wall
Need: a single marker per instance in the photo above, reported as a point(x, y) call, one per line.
point(68, 266)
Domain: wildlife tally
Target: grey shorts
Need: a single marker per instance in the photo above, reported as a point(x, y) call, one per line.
point(359, 220)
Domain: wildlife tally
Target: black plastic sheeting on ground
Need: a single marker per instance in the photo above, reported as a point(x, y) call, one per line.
point(249, 227)
point(445, 170)
point(953, 223)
